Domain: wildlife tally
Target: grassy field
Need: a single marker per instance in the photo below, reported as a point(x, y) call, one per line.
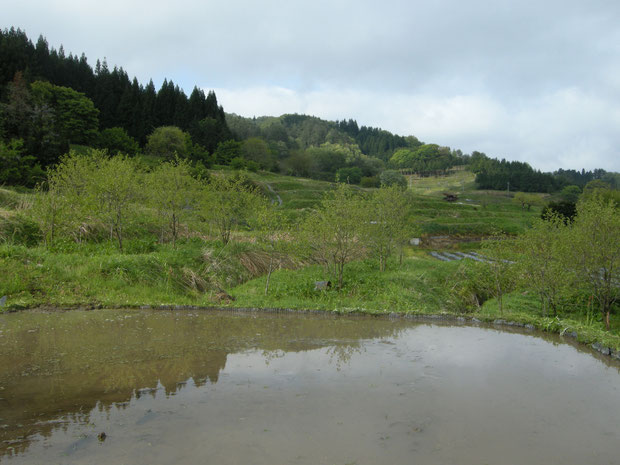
point(205, 273)
point(459, 182)
point(476, 213)
point(194, 272)
point(296, 193)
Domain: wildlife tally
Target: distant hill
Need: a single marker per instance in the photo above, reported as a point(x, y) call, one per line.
point(50, 101)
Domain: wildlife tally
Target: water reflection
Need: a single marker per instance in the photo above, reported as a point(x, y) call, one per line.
point(55, 368)
point(216, 387)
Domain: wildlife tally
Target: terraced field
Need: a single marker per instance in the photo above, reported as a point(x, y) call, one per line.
point(475, 213)
point(296, 194)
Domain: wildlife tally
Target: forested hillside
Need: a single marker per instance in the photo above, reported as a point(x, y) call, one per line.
point(50, 101)
point(341, 150)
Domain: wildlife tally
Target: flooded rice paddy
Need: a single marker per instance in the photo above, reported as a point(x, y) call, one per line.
point(163, 387)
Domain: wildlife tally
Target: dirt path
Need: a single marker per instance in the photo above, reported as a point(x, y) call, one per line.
point(278, 198)
point(452, 256)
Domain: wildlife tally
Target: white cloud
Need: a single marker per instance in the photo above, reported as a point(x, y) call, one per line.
point(567, 128)
point(522, 80)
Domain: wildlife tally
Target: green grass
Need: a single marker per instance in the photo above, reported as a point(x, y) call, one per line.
point(290, 188)
point(298, 194)
point(9, 199)
point(194, 273)
point(477, 213)
point(456, 182)
point(97, 274)
point(416, 286)
point(524, 308)
point(422, 286)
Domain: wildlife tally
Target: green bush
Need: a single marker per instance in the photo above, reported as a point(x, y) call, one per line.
point(251, 165)
point(349, 175)
point(370, 181)
point(238, 163)
point(469, 288)
point(393, 178)
point(116, 140)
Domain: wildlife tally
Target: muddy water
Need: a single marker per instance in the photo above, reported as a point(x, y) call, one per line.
point(215, 388)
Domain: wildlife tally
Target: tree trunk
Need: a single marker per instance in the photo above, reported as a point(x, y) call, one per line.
point(499, 298)
point(119, 236)
point(119, 230)
point(543, 304)
point(174, 231)
point(52, 229)
point(268, 275)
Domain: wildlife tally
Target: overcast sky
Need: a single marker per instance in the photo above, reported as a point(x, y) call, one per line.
point(537, 81)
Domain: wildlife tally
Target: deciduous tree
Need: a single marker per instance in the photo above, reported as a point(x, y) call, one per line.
point(228, 203)
point(269, 224)
point(384, 226)
point(543, 260)
point(333, 231)
point(169, 141)
point(174, 193)
point(115, 187)
point(76, 118)
point(526, 200)
point(595, 248)
point(392, 178)
point(116, 140)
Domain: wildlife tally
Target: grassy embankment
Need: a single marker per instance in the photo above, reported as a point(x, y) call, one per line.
point(197, 271)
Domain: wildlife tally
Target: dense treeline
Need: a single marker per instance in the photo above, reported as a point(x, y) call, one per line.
point(117, 113)
point(428, 159)
point(303, 131)
point(519, 176)
point(583, 177)
point(375, 141)
point(309, 146)
point(513, 175)
point(302, 145)
point(120, 102)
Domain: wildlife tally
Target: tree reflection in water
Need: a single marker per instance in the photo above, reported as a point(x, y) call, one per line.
point(55, 368)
